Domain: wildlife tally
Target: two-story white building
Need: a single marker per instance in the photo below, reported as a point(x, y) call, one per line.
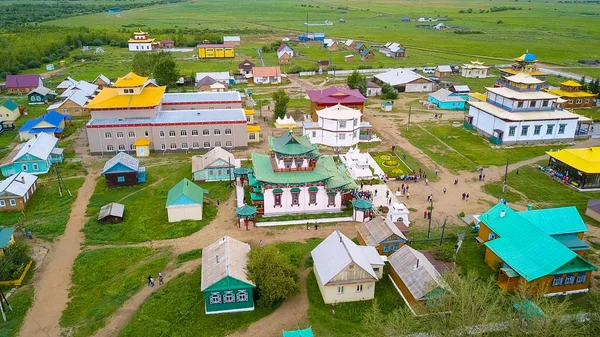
point(521, 113)
point(338, 126)
point(141, 42)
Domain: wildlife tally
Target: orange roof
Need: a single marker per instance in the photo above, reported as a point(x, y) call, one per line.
point(130, 80)
point(141, 142)
point(110, 98)
point(266, 71)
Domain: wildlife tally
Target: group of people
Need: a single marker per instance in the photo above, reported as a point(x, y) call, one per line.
point(481, 174)
point(316, 225)
point(151, 280)
point(27, 233)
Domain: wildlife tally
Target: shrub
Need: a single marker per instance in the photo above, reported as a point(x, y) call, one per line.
point(461, 214)
point(443, 253)
point(275, 277)
point(33, 64)
point(15, 259)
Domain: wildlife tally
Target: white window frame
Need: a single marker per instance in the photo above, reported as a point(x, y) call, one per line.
point(340, 290)
point(2, 203)
point(229, 297)
point(172, 133)
point(12, 202)
point(227, 131)
point(194, 132)
point(205, 145)
point(110, 148)
point(108, 135)
point(163, 146)
point(131, 134)
point(217, 132)
point(228, 144)
point(217, 144)
point(184, 146)
point(342, 124)
point(161, 134)
point(173, 146)
point(121, 147)
point(206, 132)
point(195, 145)
point(183, 133)
point(242, 296)
point(120, 135)
point(215, 298)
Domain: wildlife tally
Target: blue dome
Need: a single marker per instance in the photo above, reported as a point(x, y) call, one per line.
point(529, 57)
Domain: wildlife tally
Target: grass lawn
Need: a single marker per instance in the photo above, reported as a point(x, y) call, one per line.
point(470, 258)
point(103, 280)
point(145, 214)
point(593, 113)
point(437, 150)
point(406, 165)
point(188, 256)
point(20, 301)
point(298, 251)
point(178, 310)
point(47, 213)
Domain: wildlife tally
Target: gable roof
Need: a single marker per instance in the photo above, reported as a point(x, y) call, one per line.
point(51, 117)
point(553, 221)
point(88, 88)
point(124, 159)
point(594, 205)
point(67, 82)
point(523, 78)
point(349, 42)
point(571, 83)
point(291, 144)
point(231, 38)
point(17, 184)
point(461, 88)
point(42, 91)
point(365, 52)
point(130, 80)
point(283, 47)
point(206, 80)
point(339, 112)
point(376, 230)
point(419, 281)
point(222, 258)
point(583, 159)
point(399, 76)
point(5, 234)
point(527, 249)
point(10, 105)
point(444, 69)
point(188, 189)
point(150, 96)
point(76, 96)
point(336, 252)
point(335, 95)
point(103, 79)
point(40, 146)
point(445, 95)
point(220, 76)
point(266, 71)
point(112, 209)
point(201, 162)
point(246, 64)
point(22, 81)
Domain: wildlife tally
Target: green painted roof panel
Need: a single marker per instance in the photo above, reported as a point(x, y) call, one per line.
point(362, 204)
point(5, 234)
point(571, 241)
point(246, 210)
point(257, 197)
point(263, 171)
point(299, 333)
point(290, 144)
point(10, 105)
point(186, 188)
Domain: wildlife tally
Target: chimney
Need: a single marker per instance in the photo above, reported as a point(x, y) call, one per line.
point(217, 257)
point(417, 264)
point(502, 213)
point(22, 179)
point(529, 207)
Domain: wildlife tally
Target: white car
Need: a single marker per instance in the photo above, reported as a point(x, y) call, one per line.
point(428, 70)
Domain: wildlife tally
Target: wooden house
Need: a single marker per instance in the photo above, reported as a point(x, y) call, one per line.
point(360, 47)
point(367, 55)
point(216, 165)
point(333, 46)
point(204, 85)
point(65, 84)
point(443, 71)
point(593, 209)
point(541, 248)
point(416, 277)
point(345, 271)
point(9, 110)
point(41, 95)
point(571, 92)
point(382, 234)
point(323, 65)
point(7, 238)
point(284, 58)
point(350, 44)
point(349, 58)
point(373, 89)
point(266, 75)
point(36, 156)
point(123, 170)
point(102, 82)
point(185, 201)
point(225, 282)
point(111, 213)
point(73, 105)
point(245, 68)
point(22, 84)
point(16, 191)
point(166, 44)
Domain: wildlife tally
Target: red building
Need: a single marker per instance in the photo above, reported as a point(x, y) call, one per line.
point(320, 99)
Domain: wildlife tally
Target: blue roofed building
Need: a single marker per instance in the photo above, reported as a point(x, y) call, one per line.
point(52, 123)
point(6, 238)
point(123, 170)
point(36, 156)
point(446, 99)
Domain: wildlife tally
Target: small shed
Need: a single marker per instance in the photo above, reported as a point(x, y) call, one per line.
point(142, 147)
point(185, 201)
point(167, 44)
point(593, 209)
point(111, 213)
point(387, 106)
point(6, 239)
point(349, 58)
point(373, 89)
point(443, 71)
point(123, 170)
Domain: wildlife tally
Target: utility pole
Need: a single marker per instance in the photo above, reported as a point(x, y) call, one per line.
point(443, 229)
point(3, 309)
point(409, 110)
point(430, 215)
point(505, 176)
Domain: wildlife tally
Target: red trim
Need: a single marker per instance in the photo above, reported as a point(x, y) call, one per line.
point(123, 108)
point(203, 102)
point(159, 124)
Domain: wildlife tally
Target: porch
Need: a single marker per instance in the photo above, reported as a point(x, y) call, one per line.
point(508, 279)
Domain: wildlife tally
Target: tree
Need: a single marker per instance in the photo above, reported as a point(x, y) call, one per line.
point(142, 64)
point(388, 92)
point(165, 71)
point(275, 277)
point(583, 82)
point(281, 99)
point(357, 81)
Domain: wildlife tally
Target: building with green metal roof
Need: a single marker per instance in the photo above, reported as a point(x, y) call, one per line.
point(528, 247)
point(185, 201)
point(9, 110)
point(295, 178)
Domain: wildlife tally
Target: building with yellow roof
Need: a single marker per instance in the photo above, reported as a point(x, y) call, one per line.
point(253, 133)
point(579, 167)
point(141, 42)
point(249, 115)
point(525, 63)
point(574, 97)
point(130, 80)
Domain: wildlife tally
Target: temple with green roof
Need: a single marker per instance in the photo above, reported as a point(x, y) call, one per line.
point(295, 178)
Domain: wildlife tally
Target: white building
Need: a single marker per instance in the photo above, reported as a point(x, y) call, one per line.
point(474, 70)
point(405, 80)
point(521, 113)
point(398, 212)
point(220, 76)
point(345, 271)
point(235, 40)
point(141, 42)
point(338, 126)
point(361, 165)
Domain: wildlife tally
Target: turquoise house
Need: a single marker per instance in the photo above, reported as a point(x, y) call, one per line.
point(216, 165)
point(446, 99)
point(35, 157)
point(41, 95)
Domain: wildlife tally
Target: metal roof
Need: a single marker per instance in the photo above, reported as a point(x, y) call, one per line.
point(553, 221)
point(42, 91)
point(335, 95)
point(231, 39)
point(523, 95)
point(124, 159)
point(418, 280)
point(189, 97)
point(523, 116)
point(594, 205)
point(10, 105)
point(461, 88)
point(78, 97)
point(444, 69)
point(339, 112)
point(291, 144)
point(224, 257)
point(39, 146)
point(583, 159)
point(89, 89)
point(186, 188)
point(103, 79)
point(5, 234)
point(445, 95)
point(17, 184)
point(67, 82)
point(112, 209)
point(263, 171)
point(201, 162)
point(191, 116)
point(399, 76)
point(217, 75)
point(377, 230)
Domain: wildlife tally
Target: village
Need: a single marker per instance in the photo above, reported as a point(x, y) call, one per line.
point(265, 201)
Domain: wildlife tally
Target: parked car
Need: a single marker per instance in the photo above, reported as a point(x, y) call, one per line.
point(428, 70)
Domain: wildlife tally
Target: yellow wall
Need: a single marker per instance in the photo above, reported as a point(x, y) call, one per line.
point(492, 259)
point(484, 232)
point(409, 297)
point(212, 52)
point(8, 115)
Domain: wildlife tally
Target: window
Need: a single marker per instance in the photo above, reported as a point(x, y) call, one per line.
point(549, 129)
point(558, 281)
point(312, 198)
point(570, 279)
point(544, 103)
point(163, 147)
point(386, 248)
point(131, 147)
point(121, 147)
point(242, 296)
point(533, 104)
point(2, 203)
point(331, 199)
point(171, 133)
point(511, 131)
point(570, 101)
point(342, 136)
point(206, 145)
point(215, 298)
point(217, 143)
point(227, 131)
point(247, 118)
point(120, 179)
point(146, 134)
point(131, 134)
point(396, 246)
point(211, 173)
point(252, 136)
point(119, 135)
point(587, 100)
point(524, 130)
point(578, 101)
point(35, 167)
point(277, 199)
point(161, 134)
point(314, 134)
point(173, 146)
point(195, 145)
point(342, 124)
point(194, 132)
point(228, 297)
point(340, 290)
point(561, 129)
point(110, 148)
point(580, 278)
point(228, 143)
point(205, 132)
point(491, 236)
point(184, 146)
point(355, 134)
point(183, 133)
point(128, 91)
point(519, 104)
point(355, 122)
point(359, 288)
point(217, 131)
point(376, 269)
point(13, 202)
point(537, 129)
point(108, 135)
point(295, 198)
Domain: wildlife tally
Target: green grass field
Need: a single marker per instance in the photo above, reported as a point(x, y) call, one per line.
point(188, 256)
point(21, 302)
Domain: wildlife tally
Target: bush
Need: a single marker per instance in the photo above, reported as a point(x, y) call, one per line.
point(15, 259)
point(295, 69)
point(443, 253)
point(33, 64)
point(275, 277)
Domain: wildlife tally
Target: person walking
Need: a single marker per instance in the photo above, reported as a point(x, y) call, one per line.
point(218, 203)
point(307, 226)
point(261, 244)
point(455, 181)
point(387, 194)
point(437, 171)
point(316, 226)
point(149, 280)
point(425, 215)
point(152, 281)
point(160, 279)
point(390, 201)
point(463, 196)
point(467, 197)
point(375, 192)
point(426, 182)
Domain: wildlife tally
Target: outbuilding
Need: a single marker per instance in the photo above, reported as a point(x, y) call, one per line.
point(123, 170)
point(185, 201)
point(215, 165)
point(593, 209)
point(111, 213)
point(16, 191)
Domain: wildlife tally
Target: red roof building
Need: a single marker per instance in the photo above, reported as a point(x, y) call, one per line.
point(332, 96)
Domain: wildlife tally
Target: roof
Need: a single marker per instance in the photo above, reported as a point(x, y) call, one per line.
point(192, 193)
point(5, 234)
point(444, 69)
point(418, 280)
point(201, 97)
point(76, 96)
point(339, 112)
point(475, 65)
point(571, 94)
point(349, 42)
point(523, 78)
point(522, 95)
point(22, 81)
point(461, 88)
point(365, 52)
point(216, 115)
point(571, 83)
point(263, 171)
point(130, 80)
point(246, 63)
point(553, 221)
point(253, 128)
point(571, 241)
point(299, 333)
point(110, 98)
point(67, 82)
point(112, 209)
point(246, 210)
point(215, 45)
point(124, 159)
point(336, 252)
point(479, 96)
point(377, 230)
point(335, 95)
point(222, 76)
point(88, 88)
point(594, 205)
point(527, 249)
point(523, 116)
point(17, 184)
point(445, 95)
point(586, 160)
point(283, 47)
point(399, 76)
point(371, 84)
point(231, 39)
point(362, 204)
point(266, 71)
point(10, 105)
point(204, 161)
point(291, 144)
point(527, 57)
point(51, 117)
point(167, 41)
point(528, 309)
point(224, 257)
point(206, 80)
point(102, 78)
point(39, 146)
point(515, 72)
point(42, 91)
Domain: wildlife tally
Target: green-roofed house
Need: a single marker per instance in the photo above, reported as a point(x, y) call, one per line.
point(542, 248)
point(10, 111)
point(299, 333)
point(7, 238)
point(184, 201)
point(295, 178)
